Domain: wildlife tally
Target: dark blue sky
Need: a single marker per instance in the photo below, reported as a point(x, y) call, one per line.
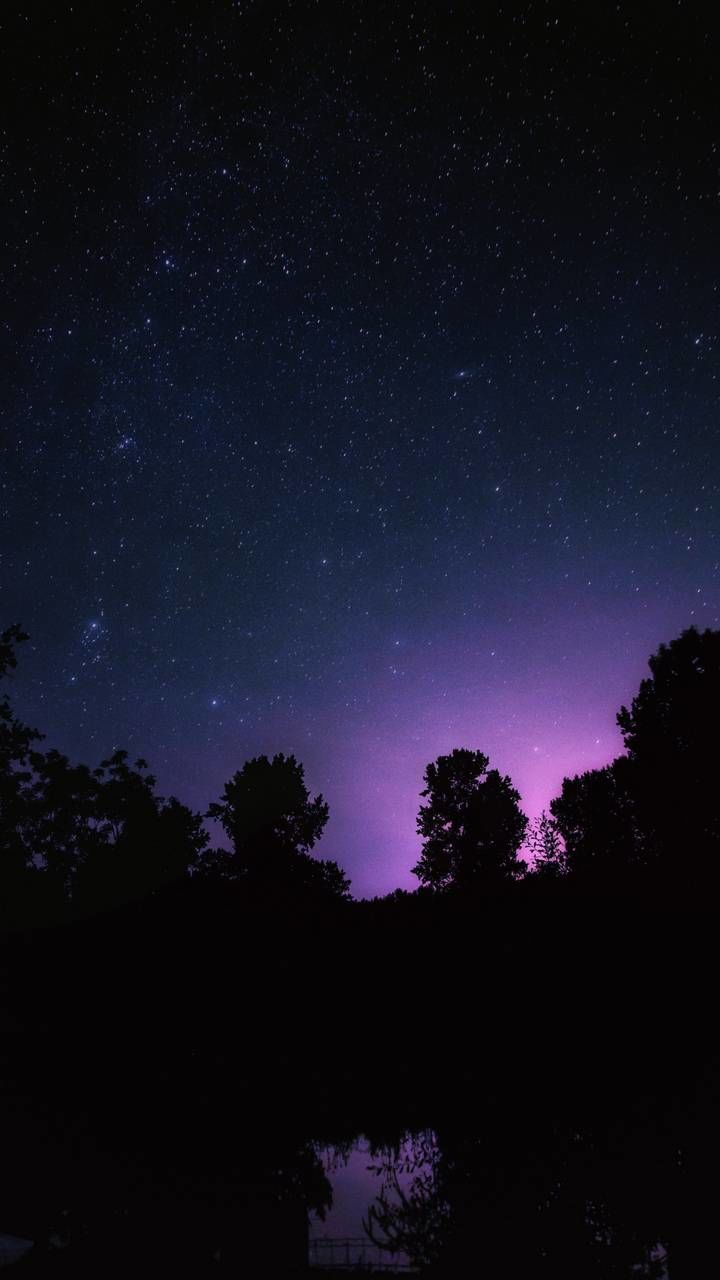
point(361, 391)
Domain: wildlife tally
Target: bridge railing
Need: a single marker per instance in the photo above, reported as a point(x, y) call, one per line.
point(354, 1253)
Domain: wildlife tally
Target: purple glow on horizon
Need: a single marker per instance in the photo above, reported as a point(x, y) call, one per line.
point(364, 393)
point(541, 713)
point(541, 704)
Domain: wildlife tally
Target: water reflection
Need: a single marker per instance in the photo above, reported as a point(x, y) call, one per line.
point(615, 1196)
point(198, 1161)
point(377, 1189)
point(433, 1201)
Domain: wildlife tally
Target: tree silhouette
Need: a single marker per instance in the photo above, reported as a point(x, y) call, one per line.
point(472, 825)
point(16, 798)
point(272, 823)
point(411, 1220)
point(138, 842)
point(595, 814)
point(65, 832)
point(670, 733)
point(653, 812)
point(545, 847)
point(103, 836)
point(68, 833)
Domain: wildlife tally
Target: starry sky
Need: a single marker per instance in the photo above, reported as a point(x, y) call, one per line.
point(360, 391)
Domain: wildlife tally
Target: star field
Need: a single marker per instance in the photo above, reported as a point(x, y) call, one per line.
point(361, 391)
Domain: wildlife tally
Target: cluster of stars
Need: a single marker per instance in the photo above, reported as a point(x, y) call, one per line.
point(318, 340)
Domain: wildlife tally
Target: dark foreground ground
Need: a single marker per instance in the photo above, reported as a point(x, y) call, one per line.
point(170, 1070)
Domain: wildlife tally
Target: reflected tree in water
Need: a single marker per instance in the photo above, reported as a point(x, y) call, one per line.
point(588, 1203)
point(411, 1219)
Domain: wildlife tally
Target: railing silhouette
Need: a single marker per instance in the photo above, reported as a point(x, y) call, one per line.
point(354, 1253)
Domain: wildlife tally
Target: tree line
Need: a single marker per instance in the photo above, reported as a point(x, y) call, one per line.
point(78, 838)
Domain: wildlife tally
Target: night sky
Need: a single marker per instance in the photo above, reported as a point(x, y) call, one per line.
point(360, 391)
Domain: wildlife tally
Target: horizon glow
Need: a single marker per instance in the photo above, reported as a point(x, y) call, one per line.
point(362, 391)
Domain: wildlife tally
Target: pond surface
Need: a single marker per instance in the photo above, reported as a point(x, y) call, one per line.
point(194, 1140)
point(372, 1185)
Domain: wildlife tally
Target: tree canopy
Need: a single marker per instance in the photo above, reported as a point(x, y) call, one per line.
point(17, 742)
point(595, 814)
point(88, 837)
point(652, 814)
point(472, 825)
point(71, 835)
point(272, 822)
point(545, 846)
point(670, 734)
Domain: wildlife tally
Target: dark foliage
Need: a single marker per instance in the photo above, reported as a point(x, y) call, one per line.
point(174, 1065)
point(75, 839)
point(670, 733)
point(650, 820)
point(174, 1068)
point(595, 814)
point(140, 841)
point(472, 825)
point(545, 848)
point(272, 822)
point(17, 743)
